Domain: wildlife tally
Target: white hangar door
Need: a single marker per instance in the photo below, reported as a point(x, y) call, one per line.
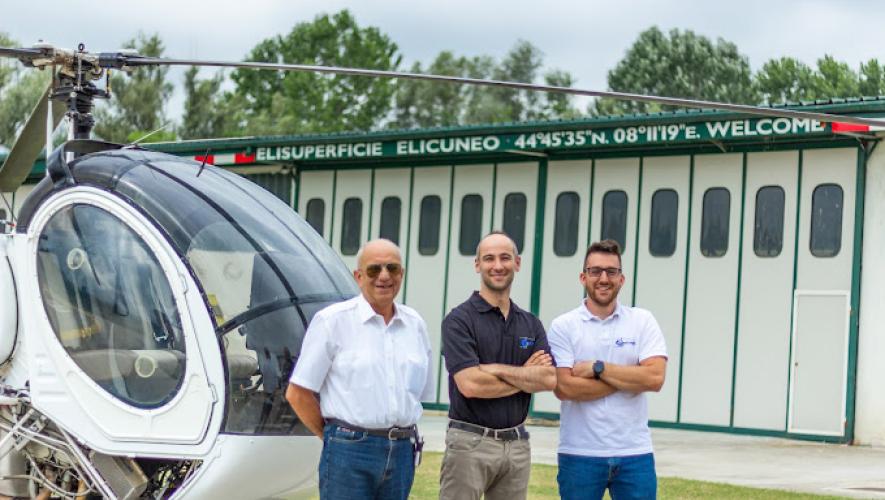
point(390, 206)
point(565, 240)
point(315, 200)
point(515, 199)
point(428, 244)
point(471, 219)
point(350, 213)
point(708, 352)
point(614, 212)
point(660, 266)
point(766, 285)
point(819, 356)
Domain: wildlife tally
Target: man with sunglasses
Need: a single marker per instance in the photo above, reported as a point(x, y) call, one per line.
point(607, 356)
point(497, 355)
point(369, 359)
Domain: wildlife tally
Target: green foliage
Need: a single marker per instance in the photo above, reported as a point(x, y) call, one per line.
point(785, 80)
point(298, 102)
point(20, 89)
point(208, 112)
point(678, 64)
point(788, 80)
point(17, 100)
point(137, 101)
point(432, 104)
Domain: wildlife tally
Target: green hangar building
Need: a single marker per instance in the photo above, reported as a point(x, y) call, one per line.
point(757, 243)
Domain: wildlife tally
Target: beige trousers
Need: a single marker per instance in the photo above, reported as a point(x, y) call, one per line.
point(474, 465)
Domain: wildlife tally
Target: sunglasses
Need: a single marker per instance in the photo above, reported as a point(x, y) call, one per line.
point(374, 270)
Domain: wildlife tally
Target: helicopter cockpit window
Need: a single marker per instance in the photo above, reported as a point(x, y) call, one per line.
point(264, 273)
point(110, 305)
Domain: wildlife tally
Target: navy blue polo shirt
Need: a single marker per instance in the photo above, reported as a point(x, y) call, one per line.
point(475, 333)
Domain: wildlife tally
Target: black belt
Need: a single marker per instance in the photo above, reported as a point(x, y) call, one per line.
point(509, 434)
point(392, 433)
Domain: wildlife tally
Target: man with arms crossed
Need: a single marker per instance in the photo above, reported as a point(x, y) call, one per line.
point(369, 359)
point(496, 357)
point(607, 356)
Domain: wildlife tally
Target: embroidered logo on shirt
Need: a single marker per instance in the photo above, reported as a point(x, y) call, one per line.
point(621, 341)
point(525, 342)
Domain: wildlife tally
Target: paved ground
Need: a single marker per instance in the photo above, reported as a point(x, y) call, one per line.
point(829, 469)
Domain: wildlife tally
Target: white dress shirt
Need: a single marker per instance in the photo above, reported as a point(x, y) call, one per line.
point(616, 425)
point(367, 373)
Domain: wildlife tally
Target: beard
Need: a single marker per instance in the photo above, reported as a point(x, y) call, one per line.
point(498, 287)
point(603, 299)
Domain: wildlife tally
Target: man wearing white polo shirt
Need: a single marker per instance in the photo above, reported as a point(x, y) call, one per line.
point(607, 356)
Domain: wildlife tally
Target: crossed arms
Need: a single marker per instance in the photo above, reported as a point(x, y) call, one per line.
point(488, 381)
point(577, 383)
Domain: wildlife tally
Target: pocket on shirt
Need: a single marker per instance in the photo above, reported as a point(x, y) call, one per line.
point(416, 374)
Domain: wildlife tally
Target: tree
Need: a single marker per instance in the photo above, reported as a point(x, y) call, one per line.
point(208, 112)
point(789, 80)
point(431, 104)
point(871, 79)
point(20, 88)
point(678, 64)
point(785, 80)
point(136, 105)
point(294, 102)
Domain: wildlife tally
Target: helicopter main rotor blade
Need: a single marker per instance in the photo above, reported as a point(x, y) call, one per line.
point(30, 142)
point(121, 60)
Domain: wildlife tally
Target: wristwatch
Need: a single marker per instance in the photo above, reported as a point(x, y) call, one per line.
point(598, 368)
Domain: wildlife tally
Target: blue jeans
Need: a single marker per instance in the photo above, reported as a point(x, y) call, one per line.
point(356, 465)
point(630, 477)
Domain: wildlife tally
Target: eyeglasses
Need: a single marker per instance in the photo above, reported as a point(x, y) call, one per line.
point(374, 270)
point(595, 272)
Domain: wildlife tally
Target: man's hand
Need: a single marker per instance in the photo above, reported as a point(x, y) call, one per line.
point(647, 376)
point(539, 358)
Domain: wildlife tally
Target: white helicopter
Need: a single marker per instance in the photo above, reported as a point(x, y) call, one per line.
point(152, 307)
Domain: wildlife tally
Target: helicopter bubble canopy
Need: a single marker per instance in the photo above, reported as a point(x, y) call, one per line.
point(262, 270)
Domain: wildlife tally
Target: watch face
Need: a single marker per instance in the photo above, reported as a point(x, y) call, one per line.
point(598, 368)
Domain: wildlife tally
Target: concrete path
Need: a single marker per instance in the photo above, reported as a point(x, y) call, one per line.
point(826, 469)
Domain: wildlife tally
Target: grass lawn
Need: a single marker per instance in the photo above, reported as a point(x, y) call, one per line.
point(543, 486)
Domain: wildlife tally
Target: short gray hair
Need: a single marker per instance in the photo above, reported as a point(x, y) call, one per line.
point(359, 253)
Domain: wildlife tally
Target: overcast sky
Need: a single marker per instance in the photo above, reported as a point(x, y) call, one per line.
point(586, 38)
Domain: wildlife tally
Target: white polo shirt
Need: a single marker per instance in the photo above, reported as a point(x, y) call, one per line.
point(367, 373)
point(616, 425)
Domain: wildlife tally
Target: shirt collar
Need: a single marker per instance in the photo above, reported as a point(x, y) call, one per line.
point(482, 306)
point(365, 311)
point(586, 315)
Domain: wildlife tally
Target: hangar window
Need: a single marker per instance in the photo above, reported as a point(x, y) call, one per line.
point(351, 222)
point(111, 306)
point(664, 218)
point(565, 226)
point(715, 222)
point(514, 218)
point(428, 226)
point(391, 209)
point(471, 224)
point(768, 230)
point(826, 220)
point(316, 214)
point(614, 218)
point(2, 214)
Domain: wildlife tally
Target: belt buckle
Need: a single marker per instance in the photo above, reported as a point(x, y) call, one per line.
point(391, 432)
